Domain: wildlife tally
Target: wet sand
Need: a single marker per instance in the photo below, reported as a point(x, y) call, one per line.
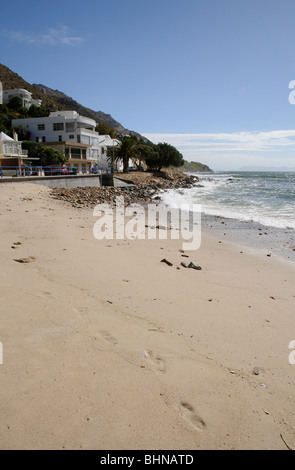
point(265, 239)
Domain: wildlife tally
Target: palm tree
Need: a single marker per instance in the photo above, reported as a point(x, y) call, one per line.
point(127, 150)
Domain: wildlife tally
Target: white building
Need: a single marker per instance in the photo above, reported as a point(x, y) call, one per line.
point(11, 152)
point(73, 135)
point(24, 95)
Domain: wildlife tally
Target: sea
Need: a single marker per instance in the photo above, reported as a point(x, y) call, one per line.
point(245, 206)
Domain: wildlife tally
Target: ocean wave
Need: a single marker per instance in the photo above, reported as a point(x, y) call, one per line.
point(268, 200)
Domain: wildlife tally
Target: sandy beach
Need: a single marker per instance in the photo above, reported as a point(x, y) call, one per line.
point(106, 347)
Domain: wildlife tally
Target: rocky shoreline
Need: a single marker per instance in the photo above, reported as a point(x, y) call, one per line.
point(143, 188)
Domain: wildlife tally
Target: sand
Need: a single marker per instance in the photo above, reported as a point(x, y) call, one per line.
point(105, 347)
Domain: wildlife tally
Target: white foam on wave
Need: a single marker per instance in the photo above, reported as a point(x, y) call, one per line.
point(252, 212)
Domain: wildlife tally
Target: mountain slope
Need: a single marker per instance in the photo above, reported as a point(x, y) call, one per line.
point(57, 100)
point(196, 167)
point(11, 80)
point(70, 103)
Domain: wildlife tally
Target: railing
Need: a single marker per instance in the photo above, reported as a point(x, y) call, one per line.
point(13, 149)
point(15, 171)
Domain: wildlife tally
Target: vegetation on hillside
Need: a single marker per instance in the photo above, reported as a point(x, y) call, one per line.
point(195, 167)
point(14, 110)
point(11, 80)
point(134, 147)
point(55, 100)
point(69, 103)
point(103, 129)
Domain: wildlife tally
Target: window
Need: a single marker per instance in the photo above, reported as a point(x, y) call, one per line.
point(71, 136)
point(58, 126)
point(41, 127)
point(75, 153)
point(70, 126)
point(85, 139)
point(94, 141)
point(60, 138)
point(43, 138)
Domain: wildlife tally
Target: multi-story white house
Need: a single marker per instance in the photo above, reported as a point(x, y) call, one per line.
point(24, 95)
point(73, 135)
point(11, 152)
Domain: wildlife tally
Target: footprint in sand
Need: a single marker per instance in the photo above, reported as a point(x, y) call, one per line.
point(157, 361)
point(81, 309)
point(46, 295)
point(108, 337)
point(157, 330)
point(188, 413)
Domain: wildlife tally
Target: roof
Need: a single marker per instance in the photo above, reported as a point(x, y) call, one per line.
point(4, 136)
point(108, 142)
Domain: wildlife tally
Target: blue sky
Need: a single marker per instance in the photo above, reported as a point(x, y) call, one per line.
point(208, 76)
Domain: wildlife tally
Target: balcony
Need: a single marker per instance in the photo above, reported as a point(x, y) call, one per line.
point(88, 132)
point(86, 123)
point(13, 149)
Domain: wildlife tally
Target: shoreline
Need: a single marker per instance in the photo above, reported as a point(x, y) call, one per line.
point(268, 239)
point(107, 347)
point(265, 239)
point(259, 234)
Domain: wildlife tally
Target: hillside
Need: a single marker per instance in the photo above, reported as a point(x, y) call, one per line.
point(12, 80)
point(56, 100)
point(196, 167)
point(69, 103)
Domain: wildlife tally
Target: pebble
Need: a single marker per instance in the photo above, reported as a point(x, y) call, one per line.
point(29, 259)
point(191, 265)
point(166, 261)
point(194, 266)
point(143, 192)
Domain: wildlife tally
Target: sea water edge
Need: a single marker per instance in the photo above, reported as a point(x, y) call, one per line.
point(254, 209)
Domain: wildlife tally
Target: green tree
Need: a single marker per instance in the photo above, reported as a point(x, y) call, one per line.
point(37, 111)
point(50, 156)
point(4, 108)
point(127, 150)
point(5, 121)
point(15, 104)
point(14, 109)
point(46, 155)
point(22, 133)
point(33, 148)
point(164, 155)
point(103, 129)
point(146, 153)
